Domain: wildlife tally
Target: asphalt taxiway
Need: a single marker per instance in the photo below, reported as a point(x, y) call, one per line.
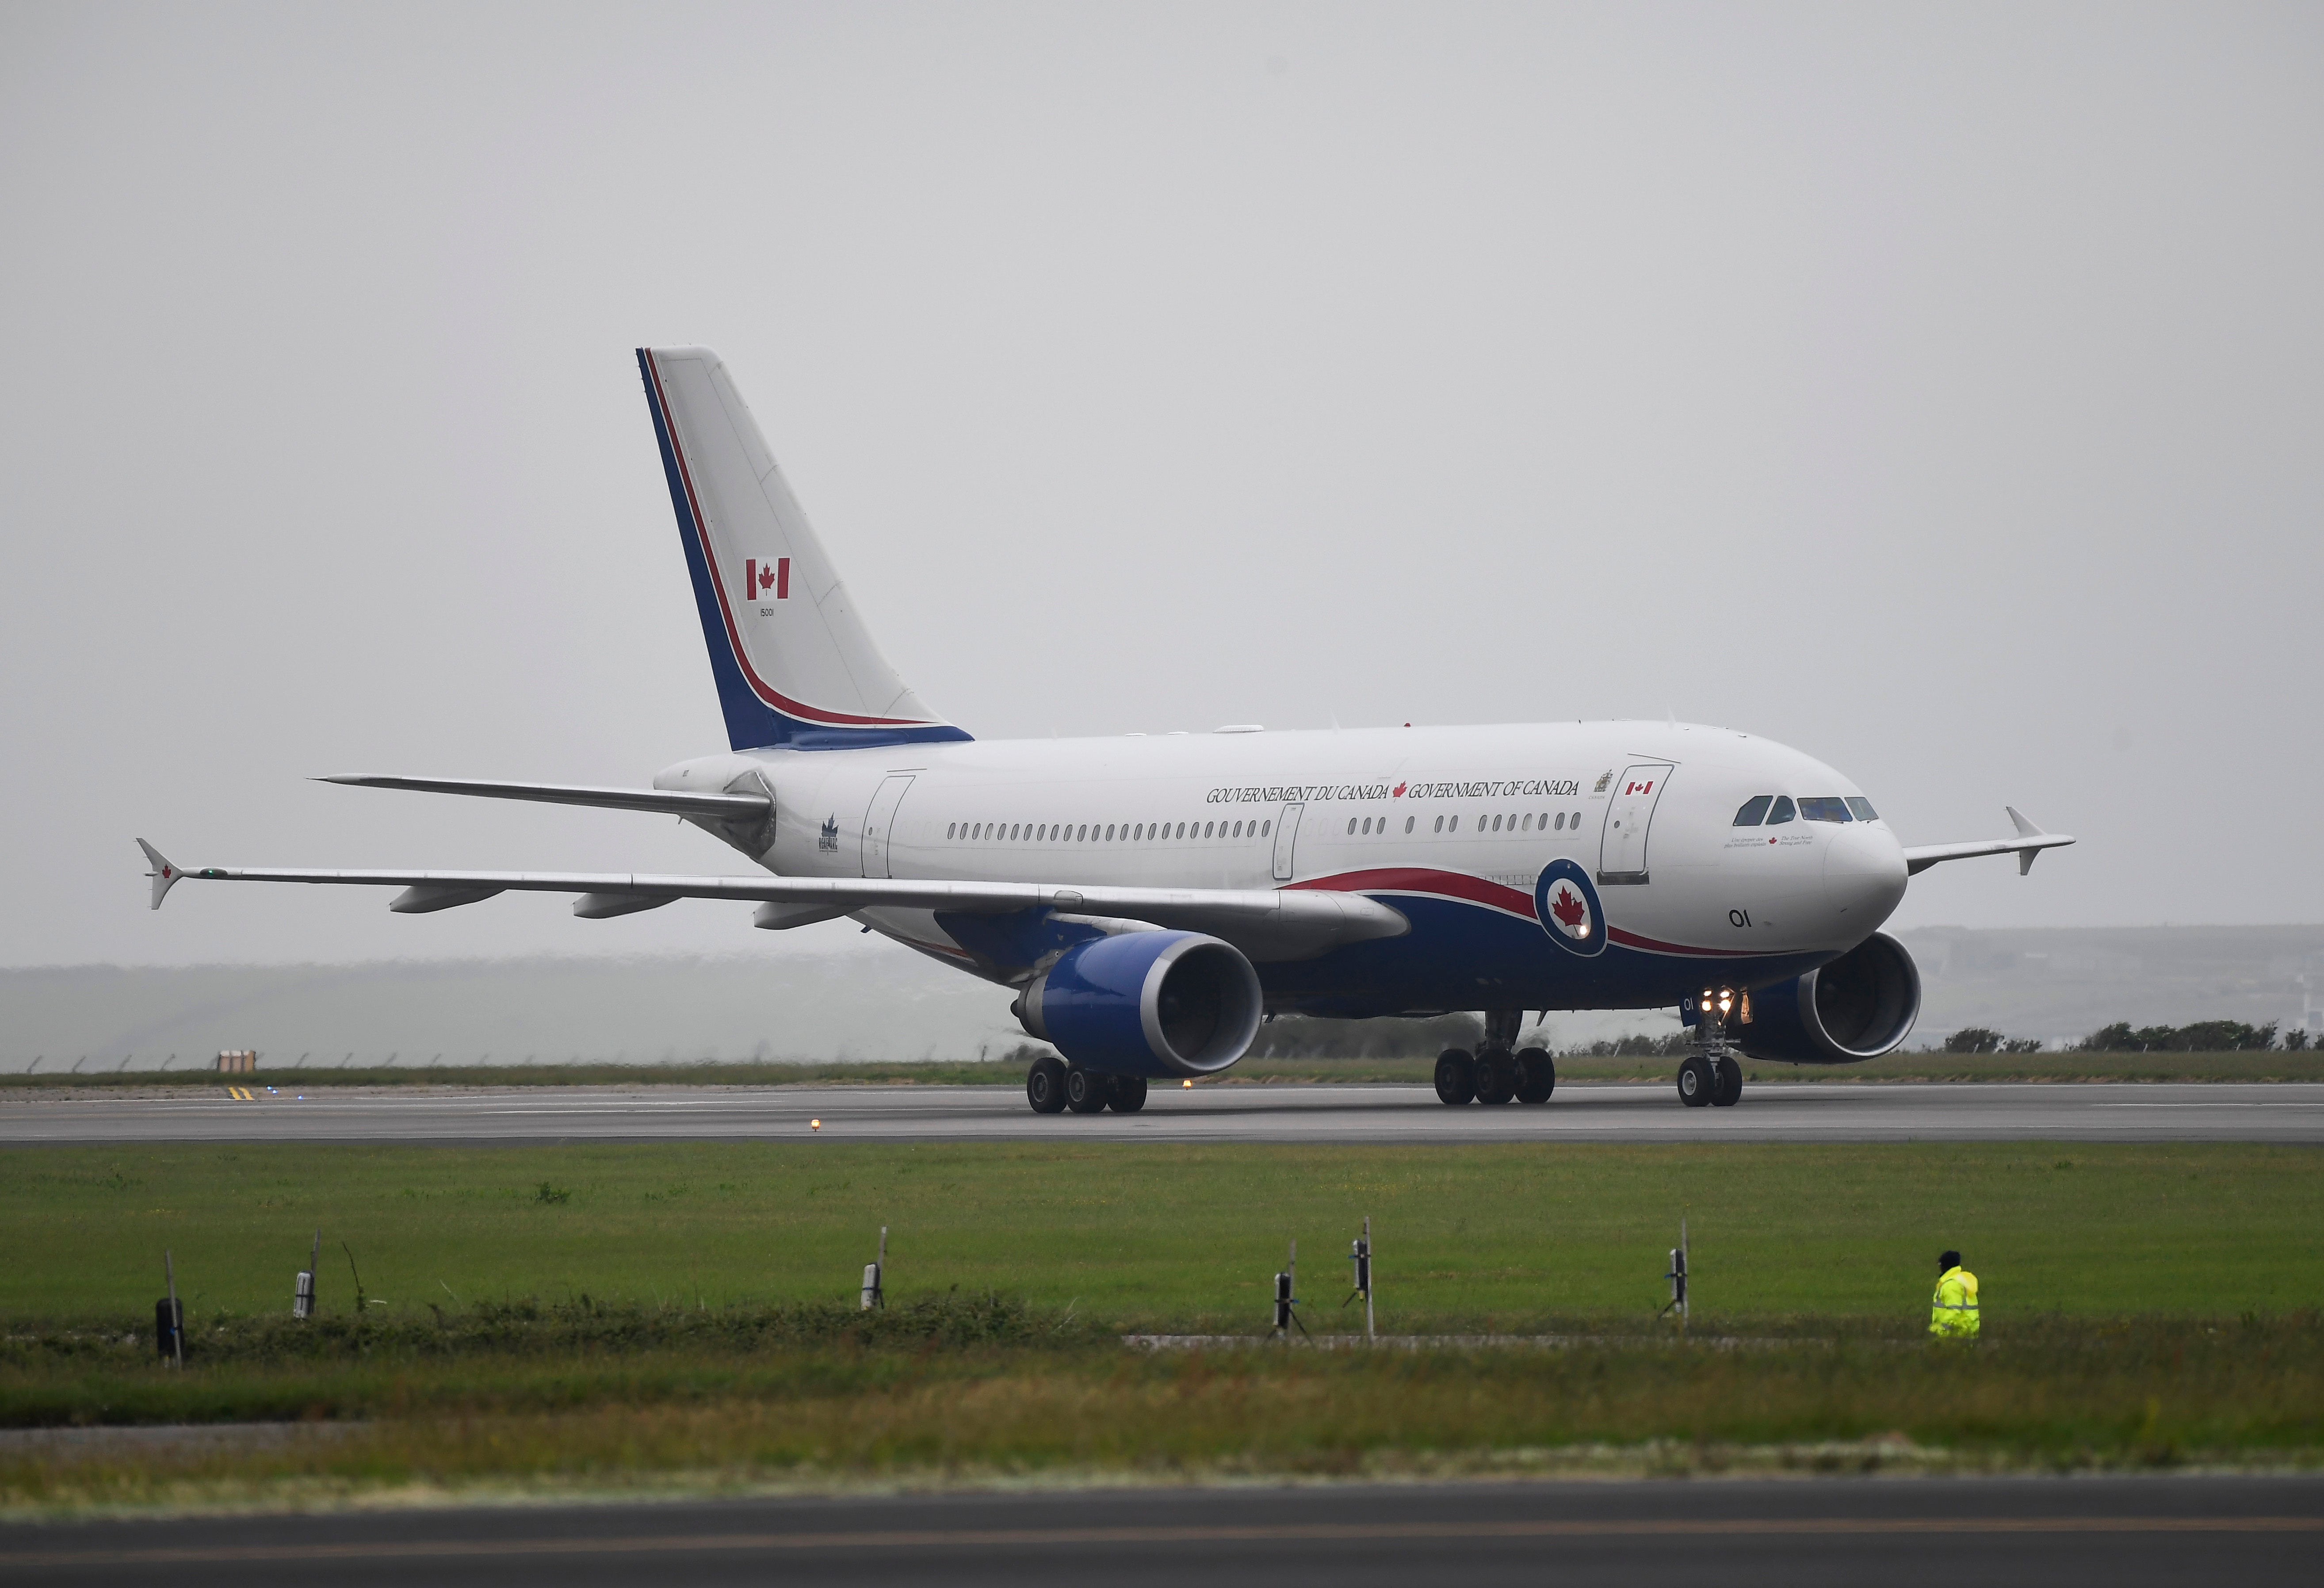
point(1841, 1111)
point(2126, 1532)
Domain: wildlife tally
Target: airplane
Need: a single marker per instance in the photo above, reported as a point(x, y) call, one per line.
point(1148, 901)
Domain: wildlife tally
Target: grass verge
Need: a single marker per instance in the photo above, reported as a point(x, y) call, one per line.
point(947, 1390)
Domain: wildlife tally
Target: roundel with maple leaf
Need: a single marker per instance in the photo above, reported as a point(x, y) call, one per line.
point(1567, 906)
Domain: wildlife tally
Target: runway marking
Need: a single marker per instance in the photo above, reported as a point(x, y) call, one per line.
point(1204, 1533)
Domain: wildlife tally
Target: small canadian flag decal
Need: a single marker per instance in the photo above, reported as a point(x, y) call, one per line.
point(759, 577)
point(1628, 789)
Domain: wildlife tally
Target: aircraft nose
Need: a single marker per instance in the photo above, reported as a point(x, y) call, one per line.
point(1863, 875)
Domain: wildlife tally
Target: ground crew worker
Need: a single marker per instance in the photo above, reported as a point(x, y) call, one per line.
point(1952, 1313)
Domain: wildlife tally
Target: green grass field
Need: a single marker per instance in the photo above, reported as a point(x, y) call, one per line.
point(1174, 1235)
point(680, 1318)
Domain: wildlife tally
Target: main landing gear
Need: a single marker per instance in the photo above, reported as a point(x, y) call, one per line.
point(1712, 1075)
point(1494, 1074)
point(1054, 1086)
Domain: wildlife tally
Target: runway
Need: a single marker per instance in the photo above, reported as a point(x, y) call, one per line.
point(2128, 1532)
point(1847, 1112)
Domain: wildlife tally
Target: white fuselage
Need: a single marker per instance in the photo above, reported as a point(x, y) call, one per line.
point(1454, 825)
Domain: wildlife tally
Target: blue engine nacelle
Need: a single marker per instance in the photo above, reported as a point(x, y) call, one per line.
point(1859, 1006)
point(1147, 1004)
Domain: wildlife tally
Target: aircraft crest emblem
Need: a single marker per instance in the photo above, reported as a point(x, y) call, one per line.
point(1566, 904)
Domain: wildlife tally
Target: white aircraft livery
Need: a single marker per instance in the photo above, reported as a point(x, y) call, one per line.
point(1149, 901)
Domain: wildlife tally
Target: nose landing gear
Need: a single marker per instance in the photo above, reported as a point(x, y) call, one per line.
point(1712, 1075)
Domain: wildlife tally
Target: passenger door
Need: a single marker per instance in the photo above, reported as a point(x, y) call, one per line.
point(1286, 831)
point(1622, 847)
point(880, 821)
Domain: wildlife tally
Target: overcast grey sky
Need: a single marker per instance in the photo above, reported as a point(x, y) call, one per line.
point(1940, 390)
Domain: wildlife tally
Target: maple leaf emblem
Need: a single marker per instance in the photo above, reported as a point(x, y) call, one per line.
point(1569, 909)
point(1398, 793)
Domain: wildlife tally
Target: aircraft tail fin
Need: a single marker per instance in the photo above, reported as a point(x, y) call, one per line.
point(794, 663)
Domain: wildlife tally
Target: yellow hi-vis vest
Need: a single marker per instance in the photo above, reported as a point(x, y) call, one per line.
point(1952, 1314)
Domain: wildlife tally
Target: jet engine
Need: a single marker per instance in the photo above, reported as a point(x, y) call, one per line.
point(1147, 1004)
point(1859, 1006)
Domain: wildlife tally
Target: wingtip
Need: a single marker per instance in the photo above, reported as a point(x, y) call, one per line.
point(164, 874)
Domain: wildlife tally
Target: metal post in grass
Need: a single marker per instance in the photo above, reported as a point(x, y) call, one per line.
point(1286, 1300)
point(1677, 1277)
point(875, 1293)
point(1360, 1254)
point(168, 1319)
point(302, 1289)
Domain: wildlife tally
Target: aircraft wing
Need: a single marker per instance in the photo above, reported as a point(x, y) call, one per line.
point(2030, 842)
point(1272, 924)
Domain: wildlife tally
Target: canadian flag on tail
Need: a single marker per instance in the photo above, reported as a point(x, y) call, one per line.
point(758, 578)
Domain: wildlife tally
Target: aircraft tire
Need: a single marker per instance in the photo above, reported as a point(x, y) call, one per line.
point(1128, 1093)
point(1497, 1078)
point(1045, 1086)
point(1696, 1083)
point(1536, 1076)
point(1086, 1090)
point(1729, 1091)
point(1456, 1078)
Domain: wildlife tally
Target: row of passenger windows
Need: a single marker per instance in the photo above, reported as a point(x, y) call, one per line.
point(1772, 809)
point(1371, 826)
point(1101, 832)
point(1158, 832)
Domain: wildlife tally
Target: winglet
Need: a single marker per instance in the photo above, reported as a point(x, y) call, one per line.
point(2025, 829)
point(165, 875)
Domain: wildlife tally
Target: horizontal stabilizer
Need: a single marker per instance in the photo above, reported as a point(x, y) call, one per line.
point(668, 802)
point(2030, 842)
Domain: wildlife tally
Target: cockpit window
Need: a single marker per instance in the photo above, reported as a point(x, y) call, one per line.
point(1825, 810)
point(1754, 811)
point(1782, 812)
point(1863, 808)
